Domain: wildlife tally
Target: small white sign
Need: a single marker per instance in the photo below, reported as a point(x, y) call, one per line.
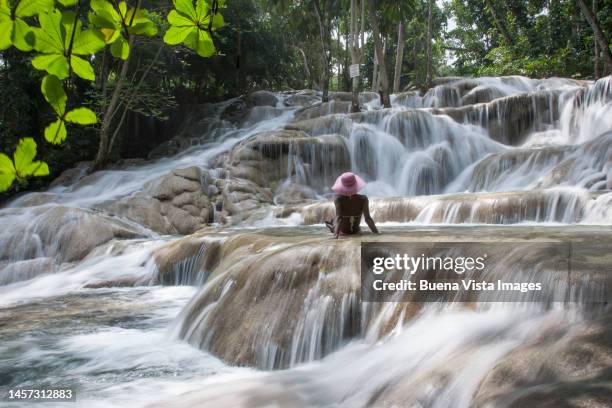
point(354, 70)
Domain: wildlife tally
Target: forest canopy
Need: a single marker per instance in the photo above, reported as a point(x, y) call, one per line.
point(105, 81)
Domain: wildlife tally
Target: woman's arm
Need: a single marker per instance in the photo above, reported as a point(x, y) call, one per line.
point(368, 217)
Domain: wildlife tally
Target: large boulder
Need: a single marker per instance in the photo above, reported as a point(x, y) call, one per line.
point(275, 282)
point(177, 203)
point(323, 109)
point(262, 98)
point(66, 233)
point(303, 98)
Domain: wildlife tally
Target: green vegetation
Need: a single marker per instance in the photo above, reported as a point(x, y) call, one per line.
point(100, 80)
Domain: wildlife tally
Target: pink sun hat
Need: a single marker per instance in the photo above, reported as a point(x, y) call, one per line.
point(348, 184)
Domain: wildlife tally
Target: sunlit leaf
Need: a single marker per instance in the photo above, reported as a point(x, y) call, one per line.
point(22, 36)
point(54, 94)
point(186, 7)
point(7, 172)
point(120, 48)
point(54, 40)
point(56, 133)
point(143, 28)
point(22, 165)
point(6, 33)
point(49, 37)
point(28, 8)
point(82, 68)
point(218, 21)
point(191, 26)
point(176, 35)
point(179, 20)
point(23, 157)
point(202, 10)
point(54, 64)
point(25, 153)
point(87, 42)
point(201, 42)
point(81, 116)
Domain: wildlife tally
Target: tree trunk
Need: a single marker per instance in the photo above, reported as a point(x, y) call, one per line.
point(347, 62)
point(355, 54)
point(384, 80)
point(375, 72)
point(105, 135)
point(501, 25)
point(306, 68)
point(596, 73)
point(325, 42)
point(599, 35)
point(428, 44)
point(399, 57)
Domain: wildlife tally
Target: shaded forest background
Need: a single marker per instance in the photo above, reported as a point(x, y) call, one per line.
point(283, 45)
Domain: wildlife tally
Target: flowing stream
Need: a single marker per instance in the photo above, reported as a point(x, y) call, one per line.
point(204, 276)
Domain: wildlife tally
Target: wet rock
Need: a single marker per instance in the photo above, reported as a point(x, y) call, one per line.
point(292, 193)
point(176, 203)
point(303, 98)
point(554, 371)
point(68, 233)
point(260, 165)
point(142, 209)
point(262, 98)
point(269, 275)
point(510, 119)
point(112, 283)
point(25, 270)
point(481, 94)
point(323, 109)
point(186, 261)
point(71, 176)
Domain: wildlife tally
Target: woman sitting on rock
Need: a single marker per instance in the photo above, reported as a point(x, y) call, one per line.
point(350, 206)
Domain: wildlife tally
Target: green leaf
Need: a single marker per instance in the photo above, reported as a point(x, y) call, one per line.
point(143, 28)
point(176, 35)
point(6, 33)
point(54, 94)
point(56, 133)
point(24, 156)
point(22, 36)
point(50, 36)
point(106, 18)
point(201, 43)
point(7, 172)
point(186, 7)
point(120, 48)
point(82, 116)
point(67, 3)
point(25, 153)
point(28, 8)
point(179, 20)
point(191, 26)
point(54, 64)
point(87, 42)
point(82, 68)
point(5, 9)
point(37, 168)
point(53, 41)
point(218, 21)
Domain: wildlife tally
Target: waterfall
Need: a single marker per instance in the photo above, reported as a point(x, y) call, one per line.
point(205, 273)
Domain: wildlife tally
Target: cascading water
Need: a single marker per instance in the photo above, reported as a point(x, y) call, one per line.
point(113, 285)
